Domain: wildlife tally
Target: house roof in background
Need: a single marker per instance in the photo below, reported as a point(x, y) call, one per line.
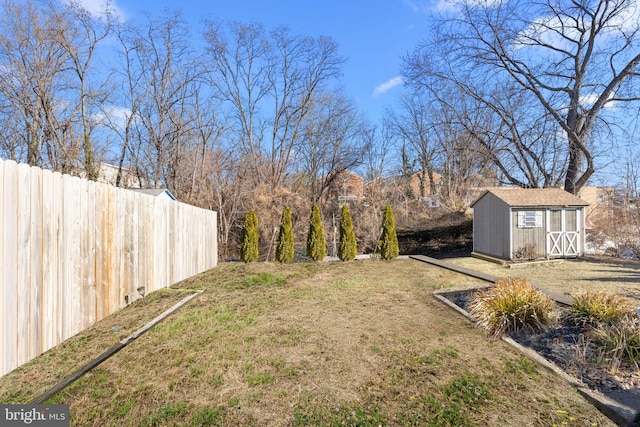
point(533, 197)
point(155, 192)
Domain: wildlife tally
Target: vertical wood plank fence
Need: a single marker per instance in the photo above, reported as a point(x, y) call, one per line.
point(72, 251)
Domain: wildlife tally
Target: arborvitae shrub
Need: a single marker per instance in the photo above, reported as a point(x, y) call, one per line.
point(250, 236)
point(347, 249)
point(316, 244)
point(285, 249)
point(388, 243)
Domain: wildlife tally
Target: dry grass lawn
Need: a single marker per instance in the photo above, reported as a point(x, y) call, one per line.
point(613, 275)
point(357, 343)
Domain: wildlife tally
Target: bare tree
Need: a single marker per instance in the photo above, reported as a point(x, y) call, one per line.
point(223, 178)
point(573, 59)
point(239, 78)
point(131, 91)
point(32, 82)
point(380, 142)
point(80, 42)
point(462, 156)
point(208, 128)
point(12, 145)
point(49, 78)
point(414, 125)
point(163, 93)
point(334, 140)
point(440, 135)
point(268, 80)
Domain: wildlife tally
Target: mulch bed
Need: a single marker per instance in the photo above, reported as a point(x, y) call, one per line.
point(568, 346)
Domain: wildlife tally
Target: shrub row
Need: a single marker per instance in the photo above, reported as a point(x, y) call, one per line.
point(316, 249)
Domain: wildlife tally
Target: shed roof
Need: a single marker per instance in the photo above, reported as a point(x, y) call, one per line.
point(534, 197)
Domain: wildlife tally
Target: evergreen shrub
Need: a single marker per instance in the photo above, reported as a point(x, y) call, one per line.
point(250, 237)
point(347, 249)
point(285, 247)
point(316, 243)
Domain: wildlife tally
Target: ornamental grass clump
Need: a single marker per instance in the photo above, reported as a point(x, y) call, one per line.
point(510, 306)
point(619, 340)
point(614, 324)
point(591, 306)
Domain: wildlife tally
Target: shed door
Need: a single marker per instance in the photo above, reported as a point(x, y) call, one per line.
point(563, 233)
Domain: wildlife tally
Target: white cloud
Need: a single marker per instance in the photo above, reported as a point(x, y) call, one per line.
point(447, 6)
point(629, 17)
point(422, 7)
point(590, 99)
point(418, 6)
point(387, 86)
point(113, 116)
point(98, 8)
point(451, 7)
point(559, 32)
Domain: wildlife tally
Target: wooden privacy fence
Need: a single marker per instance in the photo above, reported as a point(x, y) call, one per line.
point(73, 251)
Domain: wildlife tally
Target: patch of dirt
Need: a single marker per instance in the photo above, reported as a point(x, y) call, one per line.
point(570, 347)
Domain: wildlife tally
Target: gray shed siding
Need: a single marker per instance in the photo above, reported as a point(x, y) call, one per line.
point(525, 236)
point(491, 227)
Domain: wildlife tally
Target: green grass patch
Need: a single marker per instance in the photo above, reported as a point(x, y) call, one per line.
point(467, 389)
point(164, 416)
point(263, 280)
point(207, 416)
point(259, 378)
point(347, 283)
point(123, 407)
point(520, 365)
point(341, 415)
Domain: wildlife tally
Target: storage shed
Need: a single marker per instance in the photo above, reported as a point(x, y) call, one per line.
point(517, 223)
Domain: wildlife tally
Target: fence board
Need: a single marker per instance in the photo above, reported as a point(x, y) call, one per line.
point(71, 250)
point(110, 292)
point(71, 254)
point(57, 257)
point(35, 266)
point(48, 265)
point(23, 281)
point(90, 291)
point(3, 297)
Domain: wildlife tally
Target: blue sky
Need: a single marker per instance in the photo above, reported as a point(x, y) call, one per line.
point(372, 35)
